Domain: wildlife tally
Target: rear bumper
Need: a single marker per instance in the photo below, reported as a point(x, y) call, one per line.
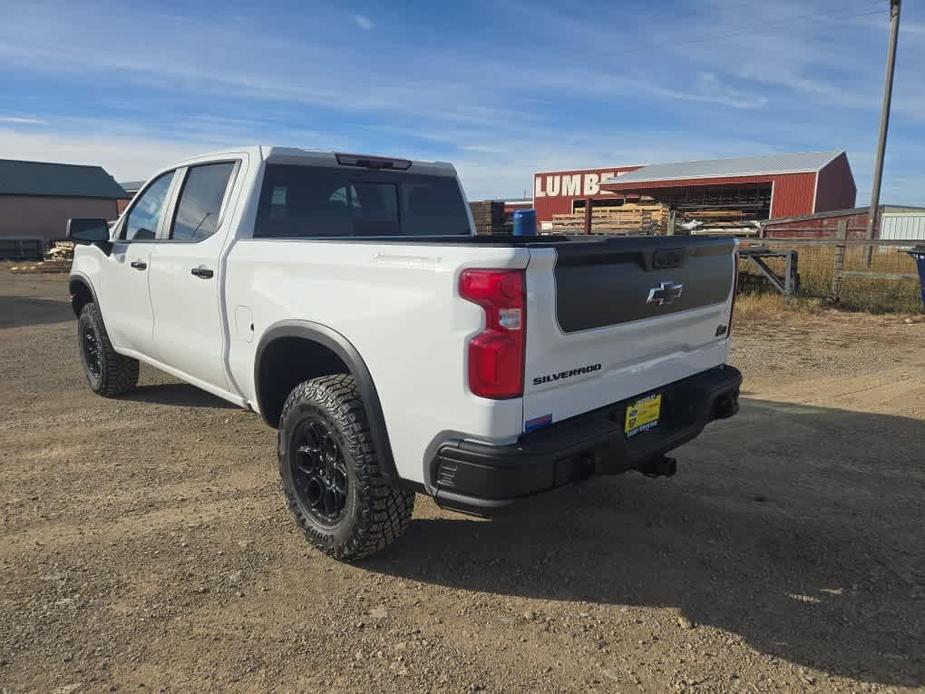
point(481, 478)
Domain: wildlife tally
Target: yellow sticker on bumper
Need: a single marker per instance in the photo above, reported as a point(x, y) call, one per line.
point(643, 414)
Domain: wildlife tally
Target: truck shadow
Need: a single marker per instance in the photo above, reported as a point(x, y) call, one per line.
point(798, 528)
point(177, 395)
point(21, 311)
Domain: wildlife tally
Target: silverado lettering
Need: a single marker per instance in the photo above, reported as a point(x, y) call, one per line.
point(549, 378)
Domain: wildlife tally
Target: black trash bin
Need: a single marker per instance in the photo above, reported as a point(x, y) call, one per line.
point(918, 254)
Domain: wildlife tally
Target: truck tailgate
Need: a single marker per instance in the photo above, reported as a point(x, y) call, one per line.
point(623, 317)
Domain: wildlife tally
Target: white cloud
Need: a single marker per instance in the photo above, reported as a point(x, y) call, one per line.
point(707, 88)
point(20, 120)
point(363, 21)
point(612, 85)
point(504, 168)
point(125, 157)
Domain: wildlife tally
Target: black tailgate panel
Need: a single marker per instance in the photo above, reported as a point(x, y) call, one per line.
point(608, 282)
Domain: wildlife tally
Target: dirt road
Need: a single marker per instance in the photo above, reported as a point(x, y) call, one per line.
point(145, 545)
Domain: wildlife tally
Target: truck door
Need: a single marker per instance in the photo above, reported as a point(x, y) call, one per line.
point(125, 302)
point(186, 275)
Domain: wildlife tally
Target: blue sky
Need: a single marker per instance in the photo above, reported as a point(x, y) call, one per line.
point(502, 89)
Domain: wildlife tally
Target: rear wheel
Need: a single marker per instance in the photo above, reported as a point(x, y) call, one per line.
point(330, 473)
point(108, 373)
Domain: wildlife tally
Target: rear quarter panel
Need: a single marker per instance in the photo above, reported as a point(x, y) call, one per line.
point(398, 305)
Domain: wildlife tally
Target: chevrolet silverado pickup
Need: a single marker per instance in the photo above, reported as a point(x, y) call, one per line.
point(347, 300)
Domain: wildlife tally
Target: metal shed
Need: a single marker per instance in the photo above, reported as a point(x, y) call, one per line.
point(903, 226)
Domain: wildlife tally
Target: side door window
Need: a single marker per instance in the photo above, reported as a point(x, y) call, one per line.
point(147, 212)
point(200, 203)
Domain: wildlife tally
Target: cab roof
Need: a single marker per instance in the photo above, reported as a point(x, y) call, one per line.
point(316, 157)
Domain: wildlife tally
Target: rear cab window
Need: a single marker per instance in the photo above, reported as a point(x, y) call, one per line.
point(323, 202)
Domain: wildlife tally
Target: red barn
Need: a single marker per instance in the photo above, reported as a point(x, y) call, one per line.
point(764, 187)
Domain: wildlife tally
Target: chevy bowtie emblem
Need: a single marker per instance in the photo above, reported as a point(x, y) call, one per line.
point(665, 293)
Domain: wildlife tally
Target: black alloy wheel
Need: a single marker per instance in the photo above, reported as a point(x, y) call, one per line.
point(92, 355)
point(319, 470)
point(108, 373)
point(331, 475)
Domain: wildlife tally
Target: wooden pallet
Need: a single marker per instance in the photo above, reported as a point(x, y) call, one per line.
point(626, 218)
point(488, 215)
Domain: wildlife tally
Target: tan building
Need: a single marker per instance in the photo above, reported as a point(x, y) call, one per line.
point(37, 199)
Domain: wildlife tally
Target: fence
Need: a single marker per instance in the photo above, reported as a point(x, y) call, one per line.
point(21, 249)
point(836, 270)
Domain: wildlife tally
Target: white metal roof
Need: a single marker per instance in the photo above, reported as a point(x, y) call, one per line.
point(800, 162)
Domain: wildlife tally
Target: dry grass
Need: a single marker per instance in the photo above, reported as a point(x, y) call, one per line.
point(765, 306)
point(772, 308)
point(875, 296)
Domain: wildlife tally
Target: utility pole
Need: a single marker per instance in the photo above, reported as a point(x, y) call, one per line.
point(884, 126)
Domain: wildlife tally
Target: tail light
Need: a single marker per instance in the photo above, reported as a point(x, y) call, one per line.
point(735, 290)
point(496, 355)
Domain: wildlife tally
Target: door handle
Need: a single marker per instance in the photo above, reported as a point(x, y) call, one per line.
point(202, 272)
point(139, 264)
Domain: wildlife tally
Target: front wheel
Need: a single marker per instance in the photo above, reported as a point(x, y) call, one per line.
point(330, 473)
point(108, 373)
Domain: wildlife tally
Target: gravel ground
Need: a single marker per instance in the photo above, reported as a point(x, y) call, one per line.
point(144, 542)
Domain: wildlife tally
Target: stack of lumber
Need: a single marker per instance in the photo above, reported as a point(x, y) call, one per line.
point(58, 259)
point(60, 250)
point(629, 218)
point(723, 215)
point(719, 223)
point(744, 228)
point(488, 216)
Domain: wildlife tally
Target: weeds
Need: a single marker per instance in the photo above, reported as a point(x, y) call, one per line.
point(816, 267)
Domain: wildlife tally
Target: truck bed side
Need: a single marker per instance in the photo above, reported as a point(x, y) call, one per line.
point(398, 305)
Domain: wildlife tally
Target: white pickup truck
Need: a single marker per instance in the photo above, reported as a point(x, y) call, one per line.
point(347, 299)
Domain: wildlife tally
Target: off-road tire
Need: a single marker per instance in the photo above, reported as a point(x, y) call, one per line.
point(114, 374)
point(376, 511)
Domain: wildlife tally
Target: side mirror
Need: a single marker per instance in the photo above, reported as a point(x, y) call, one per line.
point(87, 230)
point(90, 231)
